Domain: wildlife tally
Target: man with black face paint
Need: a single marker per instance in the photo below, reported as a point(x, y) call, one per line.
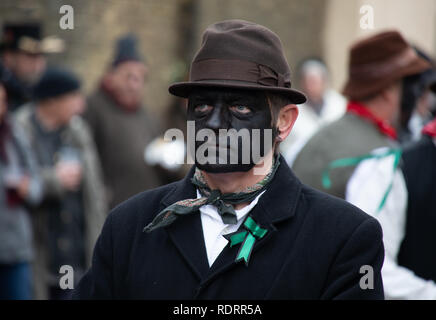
point(240, 225)
point(238, 110)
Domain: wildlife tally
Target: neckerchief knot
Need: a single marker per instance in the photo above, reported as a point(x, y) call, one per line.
point(222, 201)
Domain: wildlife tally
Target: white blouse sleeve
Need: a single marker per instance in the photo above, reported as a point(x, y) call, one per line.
point(366, 189)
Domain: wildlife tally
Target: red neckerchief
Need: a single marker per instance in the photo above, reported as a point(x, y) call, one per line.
point(363, 112)
point(430, 129)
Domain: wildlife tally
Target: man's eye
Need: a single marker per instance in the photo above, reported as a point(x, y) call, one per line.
point(240, 109)
point(203, 108)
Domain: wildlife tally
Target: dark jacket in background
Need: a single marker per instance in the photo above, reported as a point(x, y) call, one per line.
point(121, 137)
point(314, 249)
point(417, 249)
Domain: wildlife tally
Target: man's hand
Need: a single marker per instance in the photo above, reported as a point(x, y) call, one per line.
point(23, 187)
point(69, 175)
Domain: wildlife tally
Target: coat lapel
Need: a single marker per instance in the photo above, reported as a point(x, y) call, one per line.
point(186, 232)
point(277, 204)
point(226, 259)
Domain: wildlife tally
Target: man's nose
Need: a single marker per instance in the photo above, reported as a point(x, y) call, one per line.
point(135, 83)
point(217, 119)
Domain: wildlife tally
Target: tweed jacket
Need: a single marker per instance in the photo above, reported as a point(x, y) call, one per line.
point(350, 136)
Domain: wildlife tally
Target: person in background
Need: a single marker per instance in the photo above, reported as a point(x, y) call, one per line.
point(324, 105)
point(23, 59)
point(167, 156)
point(20, 187)
point(407, 216)
point(418, 102)
point(121, 125)
point(377, 67)
point(73, 209)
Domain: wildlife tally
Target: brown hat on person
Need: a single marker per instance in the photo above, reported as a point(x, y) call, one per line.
point(240, 54)
point(27, 37)
point(377, 62)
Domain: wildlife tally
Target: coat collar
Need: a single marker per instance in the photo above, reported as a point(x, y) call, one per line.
point(277, 204)
point(283, 208)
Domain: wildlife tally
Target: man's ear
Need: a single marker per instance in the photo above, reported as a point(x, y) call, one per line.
point(285, 121)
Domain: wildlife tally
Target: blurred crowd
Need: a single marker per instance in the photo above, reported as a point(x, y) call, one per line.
point(67, 159)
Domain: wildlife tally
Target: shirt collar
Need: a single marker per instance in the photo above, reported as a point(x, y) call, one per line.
point(212, 211)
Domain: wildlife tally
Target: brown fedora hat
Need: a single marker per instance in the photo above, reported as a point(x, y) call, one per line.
point(239, 54)
point(377, 62)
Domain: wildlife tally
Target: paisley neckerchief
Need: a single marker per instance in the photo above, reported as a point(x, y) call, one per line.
point(222, 201)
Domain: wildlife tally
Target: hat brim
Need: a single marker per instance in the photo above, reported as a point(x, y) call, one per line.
point(183, 89)
point(359, 88)
point(47, 45)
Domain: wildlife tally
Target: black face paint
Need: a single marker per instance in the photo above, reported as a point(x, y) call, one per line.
point(240, 110)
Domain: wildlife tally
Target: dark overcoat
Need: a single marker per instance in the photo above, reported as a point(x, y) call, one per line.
point(315, 248)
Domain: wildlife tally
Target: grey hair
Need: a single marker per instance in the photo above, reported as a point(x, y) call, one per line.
point(313, 65)
point(276, 102)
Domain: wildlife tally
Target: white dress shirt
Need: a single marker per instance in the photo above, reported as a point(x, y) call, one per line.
point(214, 228)
point(366, 189)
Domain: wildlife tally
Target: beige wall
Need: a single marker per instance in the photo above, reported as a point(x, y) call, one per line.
point(97, 24)
point(297, 23)
point(416, 19)
point(170, 30)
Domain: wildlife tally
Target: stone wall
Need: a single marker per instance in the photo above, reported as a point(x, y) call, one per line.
point(170, 31)
point(98, 23)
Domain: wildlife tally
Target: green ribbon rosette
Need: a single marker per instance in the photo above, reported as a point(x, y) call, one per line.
point(247, 237)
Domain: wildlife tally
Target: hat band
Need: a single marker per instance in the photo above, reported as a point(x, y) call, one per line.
point(29, 44)
point(383, 68)
point(238, 70)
